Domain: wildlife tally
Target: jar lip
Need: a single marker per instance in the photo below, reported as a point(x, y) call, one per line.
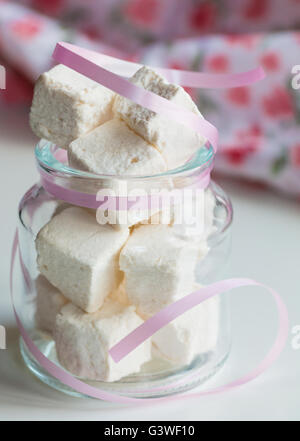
point(53, 159)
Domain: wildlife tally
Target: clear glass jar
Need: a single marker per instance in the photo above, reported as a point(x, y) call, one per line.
point(181, 356)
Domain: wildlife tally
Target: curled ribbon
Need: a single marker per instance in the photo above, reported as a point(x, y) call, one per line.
point(89, 63)
point(105, 70)
point(186, 78)
point(147, 329)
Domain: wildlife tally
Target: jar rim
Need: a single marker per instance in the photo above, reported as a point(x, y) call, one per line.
point(52, 159)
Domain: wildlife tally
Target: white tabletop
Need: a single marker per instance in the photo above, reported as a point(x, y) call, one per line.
point(266, 238)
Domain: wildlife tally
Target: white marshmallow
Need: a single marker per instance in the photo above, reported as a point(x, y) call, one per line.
point(49, 302)
point(67, 105)
point(114, 149)
point(176, 142)
point(83, 341)
point(159, 267)
point(193, 333)
point(80, 257)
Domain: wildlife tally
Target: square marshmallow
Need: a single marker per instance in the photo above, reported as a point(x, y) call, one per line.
point(176, 142)
point(114, 149)
point(159, 267)
point(49, 302)
point(67, 105)
point(193, 333)
point(80, 257)
point(83, 341)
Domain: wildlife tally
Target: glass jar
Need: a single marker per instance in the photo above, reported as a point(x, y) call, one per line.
point(180, 356)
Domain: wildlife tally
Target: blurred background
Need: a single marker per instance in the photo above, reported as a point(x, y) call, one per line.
point(259, 126)
point(258, 164)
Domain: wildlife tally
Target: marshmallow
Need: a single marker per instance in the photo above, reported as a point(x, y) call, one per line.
point(67, 105)
point(80, 257)
point(176, 142)
point(83, 341)
point(159, 267)
point(49, 302)
point(114, 149)
point(193, 333)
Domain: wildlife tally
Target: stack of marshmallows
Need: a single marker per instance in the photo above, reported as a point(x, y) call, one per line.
point(97, 282)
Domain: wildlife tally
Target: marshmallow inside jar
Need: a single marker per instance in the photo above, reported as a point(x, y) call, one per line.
point(176, 142)
point(102, 269)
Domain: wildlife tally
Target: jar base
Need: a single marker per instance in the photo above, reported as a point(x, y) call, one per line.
point(142, 385)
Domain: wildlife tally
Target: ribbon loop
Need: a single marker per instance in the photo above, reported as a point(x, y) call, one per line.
point(199, 80)
point(79, 60)
point(147, 329)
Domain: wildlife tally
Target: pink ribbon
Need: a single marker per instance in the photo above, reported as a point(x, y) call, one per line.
point(117, 203)
point(145, 331)
point(88, 63)
point(182, 77)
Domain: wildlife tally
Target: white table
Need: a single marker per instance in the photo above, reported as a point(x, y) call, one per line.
point(266, 239)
